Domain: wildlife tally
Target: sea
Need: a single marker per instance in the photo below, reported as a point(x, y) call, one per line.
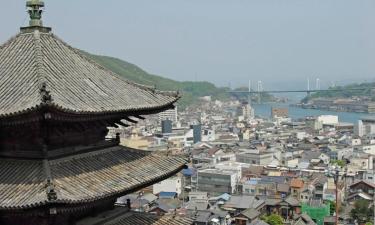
point(263, 110)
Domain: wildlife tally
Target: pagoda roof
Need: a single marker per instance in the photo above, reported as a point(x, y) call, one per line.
point(36, 63)
point(84, 178)
point(122, 216)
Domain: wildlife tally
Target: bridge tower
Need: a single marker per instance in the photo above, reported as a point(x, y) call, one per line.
point(259, 89)
point(308, 87)
point(249, 94)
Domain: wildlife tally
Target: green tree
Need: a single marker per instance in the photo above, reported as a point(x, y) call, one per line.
point(340, 163)
point(362, 211)
point(273, 219)
point(332, 207)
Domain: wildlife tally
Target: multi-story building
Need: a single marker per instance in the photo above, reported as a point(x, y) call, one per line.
point(172, 184)
point(245, 111)
point(279, 112)
point(260, 158)
point(365, 126)
point(217, 181)
point(170, 114)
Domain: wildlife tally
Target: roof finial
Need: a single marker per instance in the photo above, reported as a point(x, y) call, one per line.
point(35, 10)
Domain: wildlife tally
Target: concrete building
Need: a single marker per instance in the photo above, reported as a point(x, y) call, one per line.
point(261, 158)
point(365, 126)
point(197, 133)
point(245, 112)
point(217, 181)
point(170, 114)
point(328, 119)
point(172, 184)
point(166, 126)
point(279, 112)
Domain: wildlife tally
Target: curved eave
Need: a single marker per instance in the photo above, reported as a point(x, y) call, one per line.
point(142, 110)
point(73, 203)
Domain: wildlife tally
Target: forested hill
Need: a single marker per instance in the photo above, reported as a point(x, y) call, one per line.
point(368, 90)
point(191, 90)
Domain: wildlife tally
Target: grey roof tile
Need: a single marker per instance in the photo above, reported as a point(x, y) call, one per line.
point(76, 84)
point(82, 178)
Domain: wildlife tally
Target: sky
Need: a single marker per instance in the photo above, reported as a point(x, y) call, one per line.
point(228, 42)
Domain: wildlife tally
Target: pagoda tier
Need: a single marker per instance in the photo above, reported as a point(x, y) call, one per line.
point(54, 97)
point(122, 216)
point(83, 178)
point(38, 71)
point(76, 186)
point(55, 109)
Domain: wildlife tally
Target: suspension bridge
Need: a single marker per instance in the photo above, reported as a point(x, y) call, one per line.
point(259, 90)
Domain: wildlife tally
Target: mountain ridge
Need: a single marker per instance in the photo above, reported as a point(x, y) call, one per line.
point(191, 90)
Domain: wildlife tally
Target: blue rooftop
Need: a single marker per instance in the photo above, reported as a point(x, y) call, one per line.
point(187, 172)
point(167, 194)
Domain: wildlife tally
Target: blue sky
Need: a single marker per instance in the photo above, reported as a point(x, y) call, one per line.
point(281, 42)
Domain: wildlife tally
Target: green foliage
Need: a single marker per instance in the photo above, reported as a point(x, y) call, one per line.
point(332, 207)
point(340, 163)
point(265, 97)
point(273, 219)
point(368, 223)
point(343, 92)
point(361, 211)
point(191, 90)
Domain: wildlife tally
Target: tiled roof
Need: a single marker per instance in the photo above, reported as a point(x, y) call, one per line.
point(76, 84)
point(148, 219)
point(251, 213)
point(243, 202)
point(296, 183)
point(258, 222)
point(122, 216)
point(86, 177)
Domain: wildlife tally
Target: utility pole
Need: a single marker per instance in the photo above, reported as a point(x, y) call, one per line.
point(336, 180)
point(373, 200)
point(334, 172)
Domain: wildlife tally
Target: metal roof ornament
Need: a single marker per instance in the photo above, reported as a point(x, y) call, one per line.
point(35, 10)
point(45, 95)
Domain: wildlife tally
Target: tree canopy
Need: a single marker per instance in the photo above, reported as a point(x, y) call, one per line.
point(362, 211)
point(273, 219)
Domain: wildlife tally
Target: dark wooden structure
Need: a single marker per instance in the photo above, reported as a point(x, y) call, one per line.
point(55, 106)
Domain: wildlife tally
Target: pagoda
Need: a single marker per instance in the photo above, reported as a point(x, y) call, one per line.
point(56, 105)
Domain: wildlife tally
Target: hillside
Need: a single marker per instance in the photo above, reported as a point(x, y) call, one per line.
point(191, 90)
point(345, 92)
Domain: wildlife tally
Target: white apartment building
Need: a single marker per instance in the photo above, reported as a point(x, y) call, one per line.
point(173, 184)
point(170, 114)
point(365, 126)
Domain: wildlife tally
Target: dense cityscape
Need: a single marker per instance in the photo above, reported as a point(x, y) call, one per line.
point(94, 140)
point(245, 170)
